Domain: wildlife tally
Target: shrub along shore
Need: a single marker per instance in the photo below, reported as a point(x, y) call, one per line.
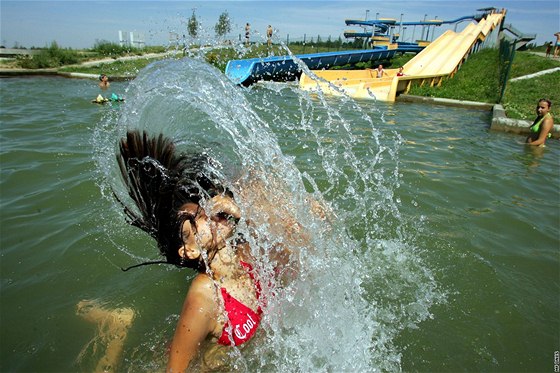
point(477, 80)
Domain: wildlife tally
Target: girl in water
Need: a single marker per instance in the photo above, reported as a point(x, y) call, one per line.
point(193, 218)
point(104, 82)
point(183, 204)
point(543, 124)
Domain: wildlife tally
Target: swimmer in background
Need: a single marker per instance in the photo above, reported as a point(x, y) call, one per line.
point(543, 124)
point(400, 72)
point(103, 82)
point(181, 202)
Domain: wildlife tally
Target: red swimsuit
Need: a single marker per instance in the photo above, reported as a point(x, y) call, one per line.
point(242, 321)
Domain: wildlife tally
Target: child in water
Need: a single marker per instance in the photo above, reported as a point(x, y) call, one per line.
point(184, 206)
point(104, 82)
point(543, 124)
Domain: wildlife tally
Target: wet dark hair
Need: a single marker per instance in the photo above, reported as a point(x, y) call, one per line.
point(160, 181)
point(547, 101)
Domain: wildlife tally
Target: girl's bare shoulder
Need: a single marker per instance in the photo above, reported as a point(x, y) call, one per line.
point(202, 284)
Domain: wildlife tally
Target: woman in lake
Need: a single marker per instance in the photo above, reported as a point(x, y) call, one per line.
point(541, 128)
point(184, 207)
point(182, 202)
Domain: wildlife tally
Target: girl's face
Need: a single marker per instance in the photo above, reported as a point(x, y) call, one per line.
point(542, 108)
point(207, 232)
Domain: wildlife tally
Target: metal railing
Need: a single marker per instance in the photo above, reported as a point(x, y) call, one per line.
point(507, 54)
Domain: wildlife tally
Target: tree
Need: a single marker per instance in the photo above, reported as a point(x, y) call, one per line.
point(223, 26)
point(339, 42)
point(193, 25)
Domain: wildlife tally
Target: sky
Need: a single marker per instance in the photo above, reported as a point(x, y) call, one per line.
point(80, 24)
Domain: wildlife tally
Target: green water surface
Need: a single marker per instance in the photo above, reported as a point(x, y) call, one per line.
point(489, 209)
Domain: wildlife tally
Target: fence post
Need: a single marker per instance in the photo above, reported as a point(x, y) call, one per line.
point(505, 75)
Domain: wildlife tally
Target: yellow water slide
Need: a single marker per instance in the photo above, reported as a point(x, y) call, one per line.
point(440, 59)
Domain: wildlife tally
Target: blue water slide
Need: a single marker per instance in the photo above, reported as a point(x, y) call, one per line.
point(383, 25)
point(439, 22)
point(409, 47)
point(284, 68)
point(380, 26)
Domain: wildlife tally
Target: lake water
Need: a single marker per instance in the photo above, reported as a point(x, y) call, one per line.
point(442, 255)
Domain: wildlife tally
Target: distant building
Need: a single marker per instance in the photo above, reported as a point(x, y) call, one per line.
point(131, 39)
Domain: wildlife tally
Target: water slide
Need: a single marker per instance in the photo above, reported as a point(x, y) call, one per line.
point(381, 26)
point(384, 23)
point(284, 68)
point(439, 59)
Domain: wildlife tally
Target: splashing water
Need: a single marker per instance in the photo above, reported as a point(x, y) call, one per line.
point(320, 163)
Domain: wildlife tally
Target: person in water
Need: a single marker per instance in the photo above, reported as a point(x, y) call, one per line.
point(193, 218)
point(541, 128)
point(182, 203)
point(103, 82)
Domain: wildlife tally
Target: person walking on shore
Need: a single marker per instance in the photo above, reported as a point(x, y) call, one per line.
point(269, 35)
point(548, 49)
point(247, 33)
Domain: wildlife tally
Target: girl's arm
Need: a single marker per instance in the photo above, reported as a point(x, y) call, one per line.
point(547, 125)
point(197, 320)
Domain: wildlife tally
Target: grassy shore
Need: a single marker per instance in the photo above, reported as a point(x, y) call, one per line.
point(118, 68)
point(521, 96)
point(218, 57)
point(477, 80)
